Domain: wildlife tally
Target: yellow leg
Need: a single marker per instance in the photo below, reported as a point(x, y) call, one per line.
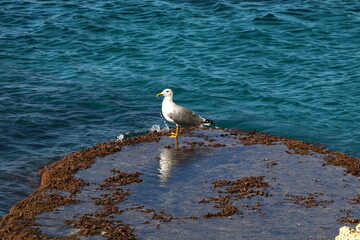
point(177, 143)
point(176, 134)
point(177, 131)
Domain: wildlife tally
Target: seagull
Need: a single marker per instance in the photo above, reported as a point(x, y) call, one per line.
point(179, 115)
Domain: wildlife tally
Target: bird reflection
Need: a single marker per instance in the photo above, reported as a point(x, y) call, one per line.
point(171, 158)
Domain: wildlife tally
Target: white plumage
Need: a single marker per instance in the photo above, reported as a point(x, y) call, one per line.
point(179, 115)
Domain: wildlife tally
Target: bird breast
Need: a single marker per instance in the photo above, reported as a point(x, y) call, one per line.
point(167, 110)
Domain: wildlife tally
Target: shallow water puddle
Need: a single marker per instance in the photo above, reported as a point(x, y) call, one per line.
point(210, 187)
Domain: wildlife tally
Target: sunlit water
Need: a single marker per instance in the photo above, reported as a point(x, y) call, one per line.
point(74, 74)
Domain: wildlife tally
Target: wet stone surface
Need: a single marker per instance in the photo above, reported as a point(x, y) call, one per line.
point(215, 184)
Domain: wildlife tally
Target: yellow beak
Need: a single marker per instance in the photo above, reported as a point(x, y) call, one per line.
point(159, 94)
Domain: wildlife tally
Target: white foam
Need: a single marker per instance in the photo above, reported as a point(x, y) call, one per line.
point(120, 137)
point(158, 128)
point(154, 128)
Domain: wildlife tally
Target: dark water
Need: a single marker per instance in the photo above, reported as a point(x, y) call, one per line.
point(76, 73)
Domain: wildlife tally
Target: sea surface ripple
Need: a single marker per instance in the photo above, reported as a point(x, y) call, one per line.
point(77, 73)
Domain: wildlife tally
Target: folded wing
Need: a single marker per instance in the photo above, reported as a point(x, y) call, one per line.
point(185, 117)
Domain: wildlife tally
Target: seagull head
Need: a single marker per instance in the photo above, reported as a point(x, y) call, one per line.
point(166, 93)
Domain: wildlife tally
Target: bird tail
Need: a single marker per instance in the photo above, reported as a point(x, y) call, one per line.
point(207, 122)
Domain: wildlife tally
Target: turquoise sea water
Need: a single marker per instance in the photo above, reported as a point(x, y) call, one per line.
point(77, 73)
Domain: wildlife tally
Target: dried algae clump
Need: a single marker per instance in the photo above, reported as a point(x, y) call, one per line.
point(347, 233)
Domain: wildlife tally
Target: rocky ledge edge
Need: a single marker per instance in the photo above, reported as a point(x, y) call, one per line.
point(59, 176)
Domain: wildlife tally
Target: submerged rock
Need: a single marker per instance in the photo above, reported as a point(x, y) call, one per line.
point(227, 183)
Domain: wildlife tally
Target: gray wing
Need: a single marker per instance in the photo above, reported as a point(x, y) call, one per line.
point(185, 117)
